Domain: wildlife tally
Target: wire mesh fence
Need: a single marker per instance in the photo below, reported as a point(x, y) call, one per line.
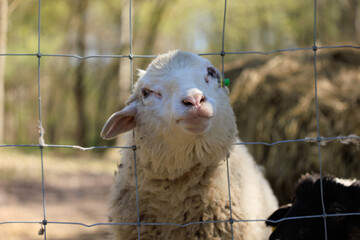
point(222, 53)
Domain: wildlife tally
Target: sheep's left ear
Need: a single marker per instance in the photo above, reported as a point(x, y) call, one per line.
point(120, 122)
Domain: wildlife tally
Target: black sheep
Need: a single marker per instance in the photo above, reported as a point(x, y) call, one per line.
point(340, 197)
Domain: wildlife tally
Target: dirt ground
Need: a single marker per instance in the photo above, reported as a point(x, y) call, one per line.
point(76, 190)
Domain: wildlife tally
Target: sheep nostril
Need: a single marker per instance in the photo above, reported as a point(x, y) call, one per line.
point(194, 100)
point(187, 103)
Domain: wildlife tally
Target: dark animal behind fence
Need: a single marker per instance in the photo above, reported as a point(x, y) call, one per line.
point(341, 196)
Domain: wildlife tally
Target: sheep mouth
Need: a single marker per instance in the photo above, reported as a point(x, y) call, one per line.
point(196, 124)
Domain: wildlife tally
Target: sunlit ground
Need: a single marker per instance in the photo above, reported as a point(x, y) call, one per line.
point(77, 189)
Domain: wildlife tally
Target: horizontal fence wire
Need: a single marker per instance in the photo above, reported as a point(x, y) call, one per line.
point(221, 53)
point(320, 141)
point(323, 141)
point(187, 224)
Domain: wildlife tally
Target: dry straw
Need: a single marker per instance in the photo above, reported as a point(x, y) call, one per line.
point(274, 100)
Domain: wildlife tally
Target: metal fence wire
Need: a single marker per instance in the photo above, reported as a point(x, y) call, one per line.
point(222, 54)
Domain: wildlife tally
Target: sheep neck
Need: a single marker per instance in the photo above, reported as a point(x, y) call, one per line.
point(173, 190)
point(170, 161)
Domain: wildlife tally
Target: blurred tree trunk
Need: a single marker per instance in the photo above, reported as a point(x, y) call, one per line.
point(79, 88)
point(349, 20)
point(3, 39)
point(354, 8)
point(157, 14)
point(124, 63)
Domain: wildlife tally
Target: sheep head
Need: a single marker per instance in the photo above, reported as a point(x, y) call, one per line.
point(181, 115)
point(179, 91)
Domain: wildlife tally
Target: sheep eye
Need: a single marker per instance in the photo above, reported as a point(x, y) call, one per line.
point(145, 92)
point(212, 72)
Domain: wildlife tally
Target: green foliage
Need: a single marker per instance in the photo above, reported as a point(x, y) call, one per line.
point(158, 26)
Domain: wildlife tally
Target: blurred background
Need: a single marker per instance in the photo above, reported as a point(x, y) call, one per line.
point(273, 95)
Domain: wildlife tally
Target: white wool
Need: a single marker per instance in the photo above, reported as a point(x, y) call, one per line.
point(181, 167)
point(345, 182)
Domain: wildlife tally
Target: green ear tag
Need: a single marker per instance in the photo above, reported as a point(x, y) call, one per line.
point(226, 82)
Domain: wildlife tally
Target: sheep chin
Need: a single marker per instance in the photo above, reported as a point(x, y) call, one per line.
point(196, 125)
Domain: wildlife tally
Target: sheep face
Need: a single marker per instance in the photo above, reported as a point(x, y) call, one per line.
point(186, 97)
point(178, 94)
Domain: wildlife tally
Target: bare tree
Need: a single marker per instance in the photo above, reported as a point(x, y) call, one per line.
point(79, 88)
point(124, 63)
point(157, 12)
point(3, 40)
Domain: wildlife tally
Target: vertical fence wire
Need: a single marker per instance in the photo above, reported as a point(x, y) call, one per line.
point(222, 54)
point(131, 57)
point(318, 124)
point(41, 132)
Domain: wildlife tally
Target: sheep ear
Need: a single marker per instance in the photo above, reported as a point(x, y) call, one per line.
point(140, 73)
point(120, 122)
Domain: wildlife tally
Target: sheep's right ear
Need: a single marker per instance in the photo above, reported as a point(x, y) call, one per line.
point(140, 73)
point(120, 122)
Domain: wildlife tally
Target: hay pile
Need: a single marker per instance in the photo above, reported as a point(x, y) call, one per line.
point(274, 99)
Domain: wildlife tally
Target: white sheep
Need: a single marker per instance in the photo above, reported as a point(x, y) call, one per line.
point(184, 129)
